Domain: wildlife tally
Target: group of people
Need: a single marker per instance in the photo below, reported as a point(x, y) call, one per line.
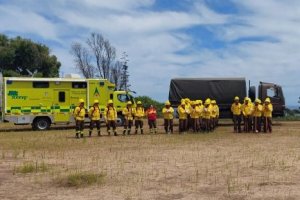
point(254, 115)
point(192, 115)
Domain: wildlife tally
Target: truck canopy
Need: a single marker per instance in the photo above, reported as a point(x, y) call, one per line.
point(223, 90)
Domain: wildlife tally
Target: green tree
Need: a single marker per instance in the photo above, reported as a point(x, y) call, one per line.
point(147, 101)
point(19, 57)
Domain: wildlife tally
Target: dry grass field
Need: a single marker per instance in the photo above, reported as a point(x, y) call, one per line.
point(219, 165)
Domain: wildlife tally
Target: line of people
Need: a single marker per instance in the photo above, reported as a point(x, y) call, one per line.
point(254, 115)
point(192, 115)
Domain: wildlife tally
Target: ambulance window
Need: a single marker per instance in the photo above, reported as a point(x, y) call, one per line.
point(40, 84)
point(61, 97)
point(79, 85)
point(101, 83)
point(123, 98)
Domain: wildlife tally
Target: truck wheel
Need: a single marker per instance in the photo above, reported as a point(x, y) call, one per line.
point(41, 123)
point(120, 120)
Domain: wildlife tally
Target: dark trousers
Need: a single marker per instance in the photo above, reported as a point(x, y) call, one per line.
point(168, 124)
point(206, 124)
point(256, 124)
point(139, 124)
point(94, 123)
point(111, 124)
point(195, 124)
point(267, 124)
point(79, 126)
point(127, 126)
point(237, 123)
point(246, 123)
point(152, 123)
point(182, 125)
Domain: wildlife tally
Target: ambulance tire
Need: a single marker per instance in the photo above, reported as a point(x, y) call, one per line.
point(120, 120)
point(41, 123)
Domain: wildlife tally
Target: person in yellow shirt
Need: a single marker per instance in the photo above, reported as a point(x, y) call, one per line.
point(188, 106)
point(201, 106)
point(128, 113)
point(195, 114)
point(247, 112)
point(236, 109)
point(207, 115)
point(214, 114)
point(110, 116)
point(257, 113)
point(79, 115)
point(168, 113)
point(139, 114)
point(94, 115)
point(267, 113)
point(183, 115)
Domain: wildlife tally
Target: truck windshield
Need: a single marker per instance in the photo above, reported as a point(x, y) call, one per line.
point(123, 97)
point(272, 92)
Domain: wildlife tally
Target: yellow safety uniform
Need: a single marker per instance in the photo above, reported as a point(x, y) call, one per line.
point(206, 112)
point(267, 110)
point(139, 113)
point(94, 113)
point(110, 113)
point(128, 113)
point(183, 112)
point(79, 113)
point(168, 113)
point(257, 110)
point(195, 112)
point(236, 109)
point(247, 109)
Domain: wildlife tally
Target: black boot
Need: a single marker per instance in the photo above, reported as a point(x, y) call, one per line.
point(90, 133)
point(81, 135)
point(77, 135)
point(99, 133)
point(129, 131)
point(115, 133)
point(142, 131)
point(124, 132)
point(135, 131)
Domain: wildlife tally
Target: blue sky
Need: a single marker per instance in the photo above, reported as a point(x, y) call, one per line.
point(255, 39)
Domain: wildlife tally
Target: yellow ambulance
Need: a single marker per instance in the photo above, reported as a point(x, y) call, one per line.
point(45, 101)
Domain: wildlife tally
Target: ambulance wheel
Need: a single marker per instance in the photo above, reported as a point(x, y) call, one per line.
point(41, 123)
point(120, 120)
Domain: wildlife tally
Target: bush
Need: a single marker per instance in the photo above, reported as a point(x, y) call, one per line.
point(81, 179)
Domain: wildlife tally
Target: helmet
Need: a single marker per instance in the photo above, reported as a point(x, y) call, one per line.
point(247, 99)
point(96, 101)
point(110, 101)
point(129, 103)
point(208, 101)
point(193, 103)
point(200, 101)
point(257, 101)
point(81, 101)
point(213, 102)
point(236, 98)
point(167, 103)
point(268, 100)
point(139, 103)
point(182, 103)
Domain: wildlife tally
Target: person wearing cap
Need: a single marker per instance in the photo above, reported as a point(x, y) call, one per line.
point(128, 113)
point(207, 115)
point(152, 115)
point(214, 114)
point(257, 113)
point(267, 113)
point(94, 115)
point(183, 115)
point(236, 109)
point(139, 114)
point(188, 106)
point(110, 115)
point(247, 112)
point(195, 114)
point(168, 113)
point(79, 115)
point(201, 107)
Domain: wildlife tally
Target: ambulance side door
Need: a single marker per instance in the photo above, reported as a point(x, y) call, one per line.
point(61, 106)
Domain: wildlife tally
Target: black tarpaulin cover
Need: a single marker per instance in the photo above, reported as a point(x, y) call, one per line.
point(223, 90)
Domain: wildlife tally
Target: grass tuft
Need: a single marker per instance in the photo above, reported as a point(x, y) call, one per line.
point(31, 167)
point(81, 179)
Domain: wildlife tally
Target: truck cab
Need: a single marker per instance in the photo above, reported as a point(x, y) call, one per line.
point(275, 93)
point(120, 99)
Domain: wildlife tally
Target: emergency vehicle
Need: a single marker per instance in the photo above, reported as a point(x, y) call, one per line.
point(45, 101)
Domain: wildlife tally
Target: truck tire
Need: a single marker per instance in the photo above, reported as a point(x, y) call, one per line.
point(120, 120)
point(41, 123)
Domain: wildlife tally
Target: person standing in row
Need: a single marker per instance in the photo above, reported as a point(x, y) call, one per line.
point(128, 113)
point(168, 113)
point(183, 117)
point(247, 112)
point(139, 114)
point(267, 113)
point(79, 115)
point(152, 115)
point(195, 114)
point(110, 116)
point(236, 109)
point(257, 113)
point(94, 115)
point(214, 114)
point(207, 116)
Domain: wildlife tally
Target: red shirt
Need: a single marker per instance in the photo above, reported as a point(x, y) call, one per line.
point(151, 112)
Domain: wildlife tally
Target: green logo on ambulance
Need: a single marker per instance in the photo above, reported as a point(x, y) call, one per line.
point(15, 95)
point(96, 93)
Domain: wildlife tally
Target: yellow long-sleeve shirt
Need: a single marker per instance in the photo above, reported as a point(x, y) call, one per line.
point(128, 113)
point(257, 110)
point(195, 112)
point(94, 113)
point(168, 113)
point(236, 109)
point(110, 113)
point(206, 113)
point(79, 113)
point(183, 112)
point(214, 111)
point(267, 110)
point(139, 113)
point(247, 109)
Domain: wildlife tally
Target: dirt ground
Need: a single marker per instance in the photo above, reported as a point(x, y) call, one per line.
point(218, 165)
